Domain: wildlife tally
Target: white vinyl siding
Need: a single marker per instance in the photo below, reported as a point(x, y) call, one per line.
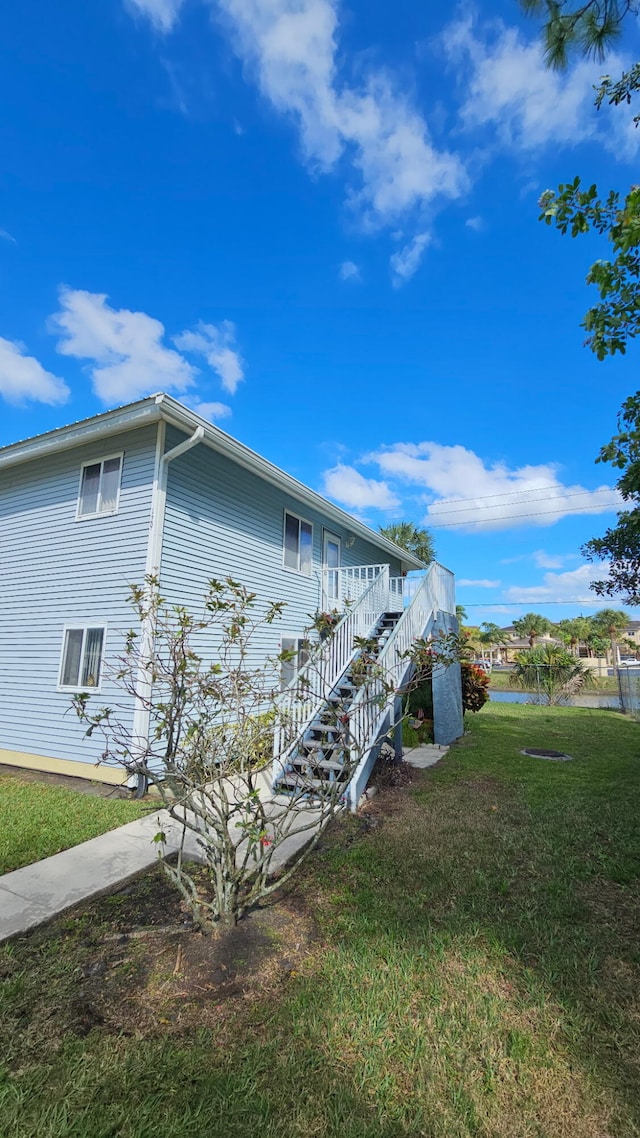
point(298, 544)
point(82, 655)
point(100, 487)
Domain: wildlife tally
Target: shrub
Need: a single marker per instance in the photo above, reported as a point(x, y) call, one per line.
point(475, 685)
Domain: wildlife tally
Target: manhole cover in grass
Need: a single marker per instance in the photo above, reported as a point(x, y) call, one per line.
point(551, 756)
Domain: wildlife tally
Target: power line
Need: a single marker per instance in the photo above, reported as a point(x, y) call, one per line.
point(545, 498)
point(501, 494)
point(512, 604)
point(511, 517)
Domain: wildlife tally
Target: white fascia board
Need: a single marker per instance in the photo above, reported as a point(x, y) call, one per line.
point(65, 438)
point(161, 406)
point(179, 416)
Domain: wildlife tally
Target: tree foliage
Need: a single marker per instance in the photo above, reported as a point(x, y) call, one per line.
point(413, 538)
point(620, 544)
point(590, 28)
point(550, 670)
point(532, 625)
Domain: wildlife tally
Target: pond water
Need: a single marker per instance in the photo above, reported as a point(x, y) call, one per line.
point(600, 699)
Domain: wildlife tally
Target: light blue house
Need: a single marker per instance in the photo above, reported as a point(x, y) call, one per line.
point(89, 509)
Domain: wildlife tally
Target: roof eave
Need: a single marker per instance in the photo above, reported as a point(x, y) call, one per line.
point(162, 406)
point(178, 415)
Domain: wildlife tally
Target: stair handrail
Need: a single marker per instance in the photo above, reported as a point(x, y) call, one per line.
point(310, 688)
point(373, 700)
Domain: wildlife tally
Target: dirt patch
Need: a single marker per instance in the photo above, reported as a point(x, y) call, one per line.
point(133, 963)
point(67, 782)
point(390, 775)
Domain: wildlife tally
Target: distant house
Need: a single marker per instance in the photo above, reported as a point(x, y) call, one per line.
point(89, 509)
point(515, 643)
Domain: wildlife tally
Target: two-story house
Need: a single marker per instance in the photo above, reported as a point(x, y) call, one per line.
point(151, 488)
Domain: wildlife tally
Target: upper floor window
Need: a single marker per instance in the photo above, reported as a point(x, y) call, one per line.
point(100, 487)
point(298, 544)
point(81, 663)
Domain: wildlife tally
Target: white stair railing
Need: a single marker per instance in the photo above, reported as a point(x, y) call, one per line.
point(374, 702)
point(309, 690)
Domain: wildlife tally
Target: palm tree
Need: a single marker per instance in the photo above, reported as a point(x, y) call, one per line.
point(412, 538)
point(575, 631)
point(550, 670)
point(532, 625)
point(492, 635)
point(610, 623)
point(461, 614)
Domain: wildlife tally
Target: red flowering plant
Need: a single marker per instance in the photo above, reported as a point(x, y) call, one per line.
point(475, 685)
point(325, 622)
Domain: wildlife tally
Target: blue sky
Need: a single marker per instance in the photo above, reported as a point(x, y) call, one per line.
point(317, 224)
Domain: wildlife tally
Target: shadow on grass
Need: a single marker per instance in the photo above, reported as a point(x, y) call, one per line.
point(478, 972)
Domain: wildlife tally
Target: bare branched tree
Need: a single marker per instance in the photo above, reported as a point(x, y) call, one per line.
point(213, 709)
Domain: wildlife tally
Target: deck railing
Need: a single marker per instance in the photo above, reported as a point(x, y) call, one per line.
point(347, 584)
point(311, 687)
point(375, 700)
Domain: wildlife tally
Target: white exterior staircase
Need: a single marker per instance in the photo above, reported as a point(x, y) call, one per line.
point(333, 714)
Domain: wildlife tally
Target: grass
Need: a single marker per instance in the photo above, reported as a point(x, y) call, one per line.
point(39, 820)
point(476, 973)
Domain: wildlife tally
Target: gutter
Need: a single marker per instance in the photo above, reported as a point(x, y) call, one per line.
point(142, 710)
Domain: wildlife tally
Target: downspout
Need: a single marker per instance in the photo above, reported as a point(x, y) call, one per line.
point(141, 714)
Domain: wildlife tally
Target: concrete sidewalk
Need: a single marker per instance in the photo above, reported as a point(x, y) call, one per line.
point(425, 755)
point(39, 892)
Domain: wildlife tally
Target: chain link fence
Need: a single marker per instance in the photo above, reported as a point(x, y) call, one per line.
point(629, 688)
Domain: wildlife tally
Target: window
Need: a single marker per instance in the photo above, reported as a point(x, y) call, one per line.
point(100, 487)
point(298, 544)
point(82, 652)
point(290, 668)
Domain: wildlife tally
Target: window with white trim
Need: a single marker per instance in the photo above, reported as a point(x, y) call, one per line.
point(298, 544)
point(100, 487)
point(298, 649)
point(82, 654)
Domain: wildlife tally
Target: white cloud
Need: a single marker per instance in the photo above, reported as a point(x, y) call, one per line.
point(475, 223)
point(6, 236)
point(217, 344)
point(484, 583)
point(570, 586)
point(162, 14)
point(352, 489)
point(211, 411)
point(547, 560)
point(291, 48)
point(507, 85)
point(129, 359)
point(349, 271)
point(466, 492)
point(23, 379)
point(406, 261)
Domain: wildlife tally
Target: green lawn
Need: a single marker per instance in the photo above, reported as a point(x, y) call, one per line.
point(38, 819)
point(477, 973)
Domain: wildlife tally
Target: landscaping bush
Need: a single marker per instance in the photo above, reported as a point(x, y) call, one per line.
point(475, 685)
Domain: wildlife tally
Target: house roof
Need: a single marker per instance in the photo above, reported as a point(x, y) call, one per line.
point(163, 407)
